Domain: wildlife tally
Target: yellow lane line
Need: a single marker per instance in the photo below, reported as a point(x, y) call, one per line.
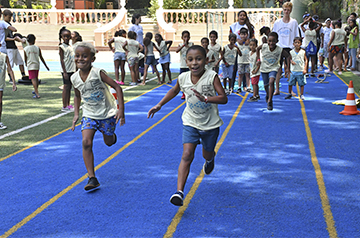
point(63, 192)
point(329, 219)
point(177, 218)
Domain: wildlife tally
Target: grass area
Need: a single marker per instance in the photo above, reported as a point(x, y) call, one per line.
point(21, 110)
point(347, 76)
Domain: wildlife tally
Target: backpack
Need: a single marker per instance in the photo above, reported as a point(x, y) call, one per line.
point(311, 49)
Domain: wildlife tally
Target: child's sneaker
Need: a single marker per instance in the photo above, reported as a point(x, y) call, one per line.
point(288, 96)
point(209, 166)
point(258, 97)
point(92, 184)
point(2, 126)
point(227, 91)
point(253, 99)
point(238, 91)
point(328, 71)
point(133, 84)
point(270, 106)
point(302, 97)
point(183, 96)
point(65, 109)
point(177, 198)
point(121, 83)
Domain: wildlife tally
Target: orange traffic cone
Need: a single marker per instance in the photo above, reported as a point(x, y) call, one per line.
point(113, 92)
point(350, 103)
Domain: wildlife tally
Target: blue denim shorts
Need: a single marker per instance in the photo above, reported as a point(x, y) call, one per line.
point(208, 138)
point(106, 126)
point(297, 77)
point(119, 56)
point(165, 59)
point(227, 71)
point(266, 77)
point(150, 60)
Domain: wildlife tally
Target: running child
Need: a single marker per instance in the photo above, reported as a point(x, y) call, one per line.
point(270, 64)
point(254, 70)
point(228, 56)
point(5, 66)
point(132, 49)
point(216, 48)
point(68, 67)
point(32, 53)
point(200, 123)
point(119, 54)
point(298, 68)
point(99, 109)
point(325, 38)
point(264, 34)
point(150, 57)
point(243, 61)
point(163, 47)
point(182, 48)
point(337, 46)
point(210, 58)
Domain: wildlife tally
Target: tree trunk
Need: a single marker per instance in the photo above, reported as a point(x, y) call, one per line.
point(28, 4)
point(5, 3)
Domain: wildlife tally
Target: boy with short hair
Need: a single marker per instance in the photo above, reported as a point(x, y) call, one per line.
point(298, 68)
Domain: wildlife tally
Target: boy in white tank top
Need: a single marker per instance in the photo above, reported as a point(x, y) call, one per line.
point(201, 120)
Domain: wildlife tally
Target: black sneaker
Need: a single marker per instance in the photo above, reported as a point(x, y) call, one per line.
point(238, 91)
point(177, 198)
point(288, 96)
point(258, 97)
point(253, 99)
point(92, 184)
point(270, 106)
point(209, 166)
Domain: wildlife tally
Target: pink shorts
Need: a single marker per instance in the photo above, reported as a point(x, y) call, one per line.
point(33, 74)
point(255, 80)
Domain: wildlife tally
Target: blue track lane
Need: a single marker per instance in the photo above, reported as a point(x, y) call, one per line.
point(263, 185)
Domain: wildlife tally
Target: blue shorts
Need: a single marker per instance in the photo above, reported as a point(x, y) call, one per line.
point(119, 56)
point(266, 77)
point(106, 126)
point(297, 77)
point(150, 60)
point(227, 71)
point(165, 59)
point(208, 138)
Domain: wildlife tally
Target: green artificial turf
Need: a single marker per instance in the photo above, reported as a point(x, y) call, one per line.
point(21, 110)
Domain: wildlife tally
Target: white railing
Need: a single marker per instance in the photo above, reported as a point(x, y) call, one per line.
point(63, 16)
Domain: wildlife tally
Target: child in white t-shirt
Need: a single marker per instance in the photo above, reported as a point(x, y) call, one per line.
point(325, 38)
point(119, 54)
point(150, 57)
point(210, 58)
point(99, 107)
point(201, 120)
point(254, 70)
point(216, 48)
point(243, 61)
point(132, 48)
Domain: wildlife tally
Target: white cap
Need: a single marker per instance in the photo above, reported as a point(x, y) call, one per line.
point(328, 19)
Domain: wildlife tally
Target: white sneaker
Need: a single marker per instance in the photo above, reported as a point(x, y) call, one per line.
point(328, 71)
point(2, 126)
point(302, 97)
point(340, 73)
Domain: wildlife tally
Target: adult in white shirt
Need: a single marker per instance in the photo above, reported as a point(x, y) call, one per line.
point(287, 28)
point(3, 26)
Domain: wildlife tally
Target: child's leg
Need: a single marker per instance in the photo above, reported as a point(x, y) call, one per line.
point(302, 90)
point(184, 167)
point(137, 73)
point(145, 74)
point(247, 76)
point(313, 63)
point(109, 139)
point(331, 61)
point(256, 89)
point(66, 95)
point(168, 72)
point(163, 72)
point(157, 73)
point(290, 89)
point(278, 76)
point(35, 83)
point(1, 97)
point(240, 80)
point(122, 68)
point(132, 73)
point(339, 59)
point(321, 60)
point(346, 56)
point(88, 155)
point(271, 88)
point(116, 66)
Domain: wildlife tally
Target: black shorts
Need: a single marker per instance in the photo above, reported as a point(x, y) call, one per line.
point(282, 59)
point(67, 81)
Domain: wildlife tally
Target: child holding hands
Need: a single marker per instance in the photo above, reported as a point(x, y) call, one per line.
point(99, 108)
point(200, 123)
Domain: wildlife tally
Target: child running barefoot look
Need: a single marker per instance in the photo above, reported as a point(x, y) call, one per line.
point(228, 56)
point(66, 53)
point(99, 107)
point(150, 57)
point(132, 49)
point(200, 123)
point(5, 66)
point(254, 70)
point(270, 64)
point(32, 53)
point(119, 54)
point(163, 47)
point(298, 68)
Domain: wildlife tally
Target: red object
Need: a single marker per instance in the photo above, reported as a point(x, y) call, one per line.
point(350, 103)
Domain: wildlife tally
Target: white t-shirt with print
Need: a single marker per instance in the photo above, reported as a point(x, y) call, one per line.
point(287, 32)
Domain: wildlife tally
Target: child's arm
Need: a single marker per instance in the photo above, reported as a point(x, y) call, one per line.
point(145, 52)
point(322, 40)
point(168, 43)
point(223, 58)
point(319, 26)
point(263, 40)
point(77, 101)
point(258, 63)
point(306, 60)
point(157, 48)
point(212, 59)
point(346, 42)
point(124, 46)
point(61, 53)
point(302, 24)
point(141, 48)
point(25, 58)
point(169, 95)
point(238, 50)
point(120, 113)
point(288, 58)
point(11, 73)
point(258, 52)
point(355, 31)
point(179, 48)
point(42, 60)
point(220, 98)
point(110, 44)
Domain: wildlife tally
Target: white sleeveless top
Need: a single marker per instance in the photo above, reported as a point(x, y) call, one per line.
point(99, 103)
point(119, 42)
point(2, 70)
point(230, 54)
point(210, 55)
point(183, 54)
point(150, 49)
point(68, 58)
point(339, 38)
point(270, 60)
point(310, 35)
point(216, 49)
point(162, 48)
point(32, 54)
point(133, 48)
point(252, 60)
point(245, 50)
point(298, 58)
point(197, 114)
